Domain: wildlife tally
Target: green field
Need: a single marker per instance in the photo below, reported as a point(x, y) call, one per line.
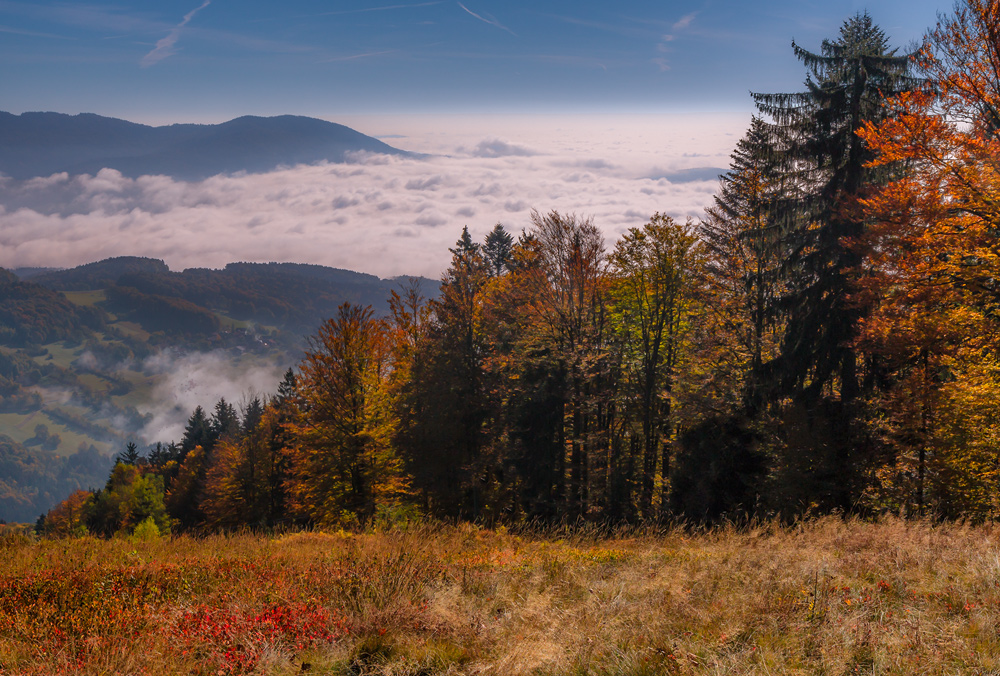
point(21, 428)
point(132, 330)
point(59, 354)
point(85, 297)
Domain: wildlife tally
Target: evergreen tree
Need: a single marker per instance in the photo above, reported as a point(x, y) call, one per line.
point(198, 432)
point(497, 250)
point(743, 265)
point(160, 455)
point(465, 249)
point(130, 456)
point(826, 171)
point(286, 389)
point(225, 421)
point(442, 409)
point(250, 414)
point(815, 144)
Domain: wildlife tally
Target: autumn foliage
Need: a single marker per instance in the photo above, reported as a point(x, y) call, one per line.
point(823, 340)
point(933, 266)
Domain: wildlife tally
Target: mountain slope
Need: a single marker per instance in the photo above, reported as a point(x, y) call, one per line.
point(41, 144)
point(109, 352)
point(292, 297)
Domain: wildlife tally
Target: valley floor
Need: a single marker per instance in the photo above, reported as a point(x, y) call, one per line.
point(822, 597)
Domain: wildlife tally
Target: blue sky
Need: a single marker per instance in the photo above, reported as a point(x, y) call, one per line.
point(210, 60)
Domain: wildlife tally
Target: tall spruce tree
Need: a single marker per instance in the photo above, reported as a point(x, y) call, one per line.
point(497, 250)
point(825, 169)
point(442, 408)
point(742, 242)
point(815, 143)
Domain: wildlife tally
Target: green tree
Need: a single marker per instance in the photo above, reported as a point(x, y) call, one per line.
point(130, 456)
point(654, 297)
point(225, 420)
point(129, 498)
point(824, 446)
point(744, 256)
point(198, 432)
point(442, 410)
point(497, 250)
point(246, 471)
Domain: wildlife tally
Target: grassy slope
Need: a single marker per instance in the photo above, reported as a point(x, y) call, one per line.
point(21, 427)
point(85, 297)
point(825, 597)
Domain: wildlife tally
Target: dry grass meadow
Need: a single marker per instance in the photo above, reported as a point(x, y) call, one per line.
point(822, 597)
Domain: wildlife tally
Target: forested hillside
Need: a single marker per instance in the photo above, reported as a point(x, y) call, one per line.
point(31, 314)
point(824, 340)
point(80, 354)
point(289, 296)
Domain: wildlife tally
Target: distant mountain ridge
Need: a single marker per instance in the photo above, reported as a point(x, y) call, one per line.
point(294, 297)
point(42, 144)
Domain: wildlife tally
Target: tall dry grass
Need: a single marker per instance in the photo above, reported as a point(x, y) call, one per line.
point(823, 597)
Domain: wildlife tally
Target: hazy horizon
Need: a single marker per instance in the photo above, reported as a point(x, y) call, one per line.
point(608, 111)
point(382, 215)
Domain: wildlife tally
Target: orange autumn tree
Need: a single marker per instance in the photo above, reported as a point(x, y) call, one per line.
point(932, 272)
point(343, 465)
point(69, 517)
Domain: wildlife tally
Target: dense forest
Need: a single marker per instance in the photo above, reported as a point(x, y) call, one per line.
point(824, 340)
point(291, 297)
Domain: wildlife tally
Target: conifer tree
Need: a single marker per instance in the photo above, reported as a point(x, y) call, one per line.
point(130, 456)
point(823, 444)
point(442, 409)
point(497, 250)
point(198, 432)
point(225, 421)
point(743, 265)
point(814, 140)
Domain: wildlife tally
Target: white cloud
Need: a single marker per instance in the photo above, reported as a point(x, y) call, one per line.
point(384, 215)
point(684, 22)
point(200, 379)
point(496, 148)
point(663, 47)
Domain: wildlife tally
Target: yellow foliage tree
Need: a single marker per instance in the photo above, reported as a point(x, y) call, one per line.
point(343, 465)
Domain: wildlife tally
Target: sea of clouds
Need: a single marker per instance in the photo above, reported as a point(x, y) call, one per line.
point(385, 215)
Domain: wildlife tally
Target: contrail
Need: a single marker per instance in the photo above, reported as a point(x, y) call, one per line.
point(491, 21)
point(165, 47)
